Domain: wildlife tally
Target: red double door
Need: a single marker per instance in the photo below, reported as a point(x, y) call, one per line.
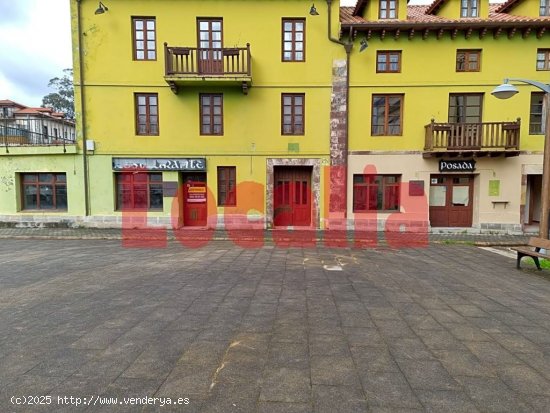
point(292, 196)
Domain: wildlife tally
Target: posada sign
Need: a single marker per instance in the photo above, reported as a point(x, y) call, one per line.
point(457, 166)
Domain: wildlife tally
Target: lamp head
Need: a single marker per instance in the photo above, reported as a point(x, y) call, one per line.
point(101, 8)
point(363, 44)
point(313, 11)
point(504, 91)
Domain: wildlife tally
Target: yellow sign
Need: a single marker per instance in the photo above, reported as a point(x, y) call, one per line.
point(197, 189)
point(494, 188)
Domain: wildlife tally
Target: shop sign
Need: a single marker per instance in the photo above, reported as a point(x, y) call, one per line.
point(457, 166)
point(196, 194)
point(160, 164)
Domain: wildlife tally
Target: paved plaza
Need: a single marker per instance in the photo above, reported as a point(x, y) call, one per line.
point(442, 328)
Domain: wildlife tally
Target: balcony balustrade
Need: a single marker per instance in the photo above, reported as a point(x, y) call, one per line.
point(192, 65)
point(486, 138)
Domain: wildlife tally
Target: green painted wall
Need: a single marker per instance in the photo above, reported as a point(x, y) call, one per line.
point(10, 186)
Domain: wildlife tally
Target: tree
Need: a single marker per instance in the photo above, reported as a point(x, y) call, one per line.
point(62, 100)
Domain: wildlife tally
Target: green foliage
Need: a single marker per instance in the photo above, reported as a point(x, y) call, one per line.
point(63, 99)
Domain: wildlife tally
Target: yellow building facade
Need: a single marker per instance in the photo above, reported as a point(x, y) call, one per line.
point(422, 114)
point(282, 113)
point(223, 106)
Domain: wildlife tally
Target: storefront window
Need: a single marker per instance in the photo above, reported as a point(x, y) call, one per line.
point(44, 191)
point(139, 191)
point(375, 193)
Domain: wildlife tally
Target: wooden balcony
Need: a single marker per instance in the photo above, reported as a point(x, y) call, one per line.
point(472, 139)
point(192, 66)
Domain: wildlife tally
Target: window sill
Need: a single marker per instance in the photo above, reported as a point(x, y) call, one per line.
point(376, 211)
point(386, 136)
point(139, 210)
point(44, 210)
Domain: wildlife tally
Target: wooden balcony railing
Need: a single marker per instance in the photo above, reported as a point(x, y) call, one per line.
point(486, 136)
point(227, 61)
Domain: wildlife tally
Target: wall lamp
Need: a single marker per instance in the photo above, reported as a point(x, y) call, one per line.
point(313, 11)
point(363, 44)
point(101, 8)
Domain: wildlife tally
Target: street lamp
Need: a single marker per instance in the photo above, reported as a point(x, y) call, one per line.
point(506, 91)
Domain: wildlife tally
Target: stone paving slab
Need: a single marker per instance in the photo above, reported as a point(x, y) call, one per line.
point(441, 328)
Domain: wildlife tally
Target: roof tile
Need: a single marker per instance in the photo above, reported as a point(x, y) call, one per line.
point(418, 14)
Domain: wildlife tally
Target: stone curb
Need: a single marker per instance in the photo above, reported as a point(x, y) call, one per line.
point(268, 241)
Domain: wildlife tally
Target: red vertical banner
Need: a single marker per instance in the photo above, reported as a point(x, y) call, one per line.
point(297, 195)
point(365, 223)
point(132, 201)
point(409, 227)
point(193, 237)
point(334, 189)
point(245, 223)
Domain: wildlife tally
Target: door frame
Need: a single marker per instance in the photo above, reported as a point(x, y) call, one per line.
point(315, 163)
point(214, 68)
point(448, 197)
point(294, 176)
point(184, 200)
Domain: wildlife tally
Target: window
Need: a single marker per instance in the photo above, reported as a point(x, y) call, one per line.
point(139, 191)
point(536, 115)
point(545, 7)
point(386, 115)
point(211, 108)
point(465, 108)
point(145, 45)
point(292, 119)
point(375, 193)
point(294, 40)
point(388, 9)
point(44, 191)
point(468, 60)
point(147, 115)
point(468, 8)
point(543, 59)
point(227, 195)
point(388, 61)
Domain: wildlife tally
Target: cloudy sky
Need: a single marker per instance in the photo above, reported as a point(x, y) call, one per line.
point(36, 46)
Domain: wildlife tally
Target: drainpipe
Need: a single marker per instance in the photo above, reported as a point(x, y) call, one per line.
point(347, 47)
point(82, 109)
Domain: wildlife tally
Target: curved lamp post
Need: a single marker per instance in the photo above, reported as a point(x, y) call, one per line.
point(505, 91)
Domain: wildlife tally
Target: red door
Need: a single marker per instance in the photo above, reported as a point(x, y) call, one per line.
point(292, 196)
point(451, 201)
point(194, 201)
point(210, 46)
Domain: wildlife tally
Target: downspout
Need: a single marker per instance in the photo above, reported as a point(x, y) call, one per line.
point(347, 47)
point(82, 110)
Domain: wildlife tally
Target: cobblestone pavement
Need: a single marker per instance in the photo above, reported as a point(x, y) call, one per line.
point(443, 328)
point(220, 235)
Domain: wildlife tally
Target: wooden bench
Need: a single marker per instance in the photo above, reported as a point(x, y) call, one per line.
point(527, 251)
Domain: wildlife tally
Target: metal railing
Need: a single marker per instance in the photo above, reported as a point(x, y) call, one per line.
point(27, 135)
point(472, 136)
point(227, 61)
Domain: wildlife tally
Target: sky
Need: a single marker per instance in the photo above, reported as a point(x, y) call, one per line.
point(36, 46)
